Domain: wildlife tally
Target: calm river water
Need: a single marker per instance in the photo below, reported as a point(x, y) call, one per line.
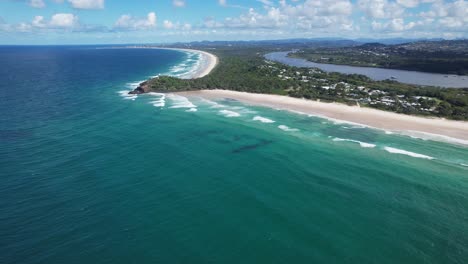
point(411, 77)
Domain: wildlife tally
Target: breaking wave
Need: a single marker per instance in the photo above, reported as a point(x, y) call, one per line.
point(180, 101)
point(187, 68)
point(263, 119)
point(127, 96)
point(228, 113)
point(408, 153)
point(362, 144)
point(160, 102)
point(288, 129)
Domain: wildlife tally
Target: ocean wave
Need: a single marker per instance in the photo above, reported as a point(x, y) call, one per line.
point(263, 119)
point(187, 68)
point(180, 101)
point(191, 110)
point(434, 137)
point(243, 110)
point(127, 96)
point(408, 153)
point(213, 104)
point(288, 129)
point(156, 94)
point(228, 113)
point(161, 102)
point(133, 85)
point(362, 144)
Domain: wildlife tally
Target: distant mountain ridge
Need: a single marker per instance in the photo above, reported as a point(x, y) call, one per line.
point(300, 43)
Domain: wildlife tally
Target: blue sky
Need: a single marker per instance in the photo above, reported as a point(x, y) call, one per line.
point(157, 21)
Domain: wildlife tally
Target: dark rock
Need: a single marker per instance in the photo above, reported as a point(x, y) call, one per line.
point(141, 89)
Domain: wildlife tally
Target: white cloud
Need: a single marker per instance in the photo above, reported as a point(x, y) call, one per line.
point(38, 21)
point(130, 23)
point(308, 18)
point(62, 20)
point(178, 3)
point(396, 24)
point(168, 24)
point(266, 2)
point(408, 3)
point(58, 22)
point(381, 8)
point(303, 16)
point(87, 4)
point(448, 16)
point(37, 3)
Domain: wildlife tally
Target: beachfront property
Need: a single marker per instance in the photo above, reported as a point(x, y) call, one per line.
point(313, 78)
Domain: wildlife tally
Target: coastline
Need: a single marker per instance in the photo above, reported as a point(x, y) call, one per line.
point(427, 128)
point(207, 63)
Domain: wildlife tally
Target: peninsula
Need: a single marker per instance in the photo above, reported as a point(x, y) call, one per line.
point(416, 109)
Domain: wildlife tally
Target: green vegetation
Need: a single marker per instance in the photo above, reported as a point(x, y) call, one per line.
point(447, 57)
point(246, 70)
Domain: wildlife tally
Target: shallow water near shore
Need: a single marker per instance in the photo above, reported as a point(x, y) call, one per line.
point(93, 175)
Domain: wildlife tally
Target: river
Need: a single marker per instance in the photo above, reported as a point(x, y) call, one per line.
point(378, 74)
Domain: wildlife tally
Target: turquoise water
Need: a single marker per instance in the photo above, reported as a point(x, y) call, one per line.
point(91, 175)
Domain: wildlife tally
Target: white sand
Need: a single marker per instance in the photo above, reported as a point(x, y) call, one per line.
point(207, 63)
point(428, 128)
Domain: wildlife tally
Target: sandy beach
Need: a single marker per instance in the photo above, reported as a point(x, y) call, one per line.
point(207, 63)
point(428, 128)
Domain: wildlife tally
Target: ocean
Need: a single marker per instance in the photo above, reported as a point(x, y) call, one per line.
point(90, 174)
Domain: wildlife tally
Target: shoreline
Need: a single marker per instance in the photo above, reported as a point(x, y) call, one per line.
point(207, 62)
point(437, 129)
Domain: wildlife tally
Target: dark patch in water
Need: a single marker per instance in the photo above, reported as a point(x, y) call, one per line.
point(252, 146)
point(231, 139)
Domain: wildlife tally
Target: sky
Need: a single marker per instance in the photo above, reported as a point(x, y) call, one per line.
point(28, 22)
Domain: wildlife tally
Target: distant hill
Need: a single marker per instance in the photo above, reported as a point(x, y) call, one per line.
point(453, 46)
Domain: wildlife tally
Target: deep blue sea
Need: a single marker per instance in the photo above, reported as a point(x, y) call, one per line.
point(89, 174)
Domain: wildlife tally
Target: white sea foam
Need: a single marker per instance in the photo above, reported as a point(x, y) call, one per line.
point(262, 119)
point(156, 94)
point(228, 113)
point(435, 137)
point(187, 68)
point(389, 132)
point(288, 129)
point(213, 104)
point(243, 110)
point(362, 144)
point(134, 85)
point(191, 110)
point(127, 96)
point(464, 165)
point(159, 102)
point(408, 153)
point(180, 101)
